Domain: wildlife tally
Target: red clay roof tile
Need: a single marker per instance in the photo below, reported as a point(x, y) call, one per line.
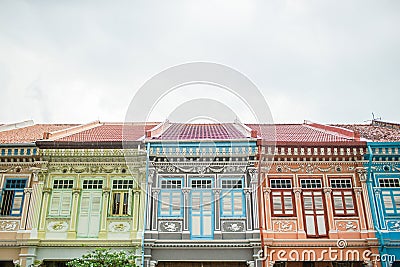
point(290, 133)
point(109, 132)
point(30, 134)
point(183, 131)
point(375, 133)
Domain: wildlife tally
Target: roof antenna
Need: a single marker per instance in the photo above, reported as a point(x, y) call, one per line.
point(375, 119)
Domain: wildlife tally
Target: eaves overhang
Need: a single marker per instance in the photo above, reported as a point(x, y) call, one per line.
point(88, 145)
point(32, 144)
point(313, 144)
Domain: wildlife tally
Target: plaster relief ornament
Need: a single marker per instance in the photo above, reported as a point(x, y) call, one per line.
point(170, 227)
point(57, 226)
point(234, 227)
point(284, 226)
point(309, 168)
point(8, 225)
point(394, 225)
point(347, 226)
point(119, 226)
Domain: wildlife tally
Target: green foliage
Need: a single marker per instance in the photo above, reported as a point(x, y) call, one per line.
point(104, 258)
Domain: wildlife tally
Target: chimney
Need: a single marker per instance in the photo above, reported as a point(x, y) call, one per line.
point(254, 133)
point(46, 135)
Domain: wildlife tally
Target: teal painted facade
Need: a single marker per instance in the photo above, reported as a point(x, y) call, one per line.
point(383, 182)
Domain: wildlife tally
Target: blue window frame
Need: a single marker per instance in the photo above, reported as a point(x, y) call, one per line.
point(232, 197)
point(170, 198)
point(391, 201)
point(201, 208)
point(12, 197)
point(390, 193)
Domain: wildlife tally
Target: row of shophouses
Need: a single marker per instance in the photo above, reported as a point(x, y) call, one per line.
point(177, 194)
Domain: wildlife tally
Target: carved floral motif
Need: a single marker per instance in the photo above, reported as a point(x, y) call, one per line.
point(119, 226)
point(347, 225)
point(284, 226)
point(233, 226)
point(57, 226)
point(170, 226)
point(8, 225)
point(394, 225)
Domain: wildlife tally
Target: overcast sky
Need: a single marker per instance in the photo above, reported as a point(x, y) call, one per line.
point(79, 61)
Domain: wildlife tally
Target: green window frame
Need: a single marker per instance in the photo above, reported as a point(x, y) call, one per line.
point(61, 197)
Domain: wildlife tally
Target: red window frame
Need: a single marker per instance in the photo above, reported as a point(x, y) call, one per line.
point(315, 212)
point(342, 196)
point(280, 192)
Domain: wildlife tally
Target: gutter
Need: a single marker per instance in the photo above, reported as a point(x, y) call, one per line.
point(18, 145)
point(381, 248)
point(93, 144)
point(261, 215)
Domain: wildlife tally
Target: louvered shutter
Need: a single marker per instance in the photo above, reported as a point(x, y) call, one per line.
point(66, 203)
point(130, 201)
point(17, 202)
point(95, 214)
point(83, 225)
point(55, 203)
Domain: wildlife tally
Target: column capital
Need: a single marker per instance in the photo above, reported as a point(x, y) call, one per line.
point(76, 191)
point(247, 191)
point(186, 191)
point(362, 174)
point(327, 190)
point(217, 191)
point(358, 190)
point(267, 190)
point(297, 191)
point(377, 191)
point(27, 190)
point(47, 190)
point(155, 192)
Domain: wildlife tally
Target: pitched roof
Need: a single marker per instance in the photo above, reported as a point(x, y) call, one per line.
point(187, 131)
point(301, 133)
point(376, 132)
point(109, 132)
point(29, 134)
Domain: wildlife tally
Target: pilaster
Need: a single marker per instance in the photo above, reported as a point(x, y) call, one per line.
point(71, 234)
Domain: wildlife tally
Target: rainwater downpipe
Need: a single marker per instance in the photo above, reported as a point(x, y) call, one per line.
point(145, 206)
point(370, 191)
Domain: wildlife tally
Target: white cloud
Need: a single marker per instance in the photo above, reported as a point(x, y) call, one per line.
point(76, 62)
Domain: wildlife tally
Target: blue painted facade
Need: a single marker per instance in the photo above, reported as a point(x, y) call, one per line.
point(383, 182)
point(202, 201)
